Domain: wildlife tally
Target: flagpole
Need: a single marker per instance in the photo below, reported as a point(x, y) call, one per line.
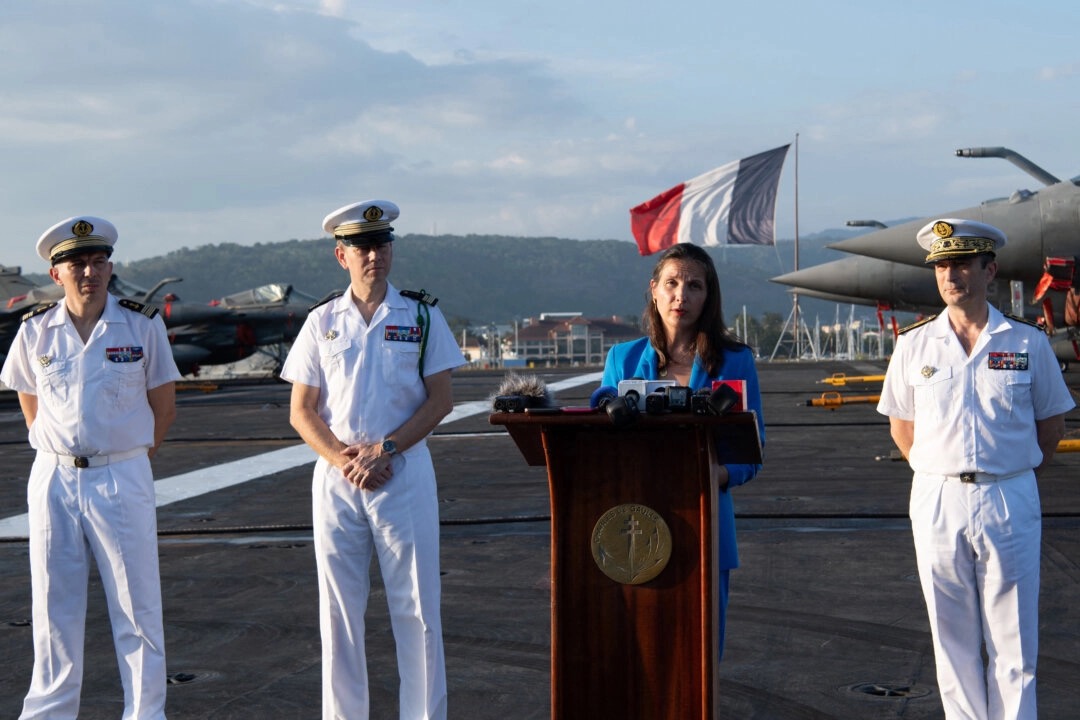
point(796, 203)
point(794, 322)
point(795, 309)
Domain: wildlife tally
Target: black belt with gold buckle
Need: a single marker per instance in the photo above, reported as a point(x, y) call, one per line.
point(967, 477)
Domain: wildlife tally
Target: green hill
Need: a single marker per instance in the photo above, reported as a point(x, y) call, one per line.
point(481, 279)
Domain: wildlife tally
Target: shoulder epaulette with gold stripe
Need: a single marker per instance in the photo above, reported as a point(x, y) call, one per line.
point(147, 310)
point(1019, 319)
point(421, 296)
point(332, 296)
point(918, 324)
point(38, 310)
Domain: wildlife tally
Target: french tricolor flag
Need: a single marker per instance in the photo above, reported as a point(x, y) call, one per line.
point(734, 204)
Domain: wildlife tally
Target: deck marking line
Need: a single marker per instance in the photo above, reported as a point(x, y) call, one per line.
point(217, 477)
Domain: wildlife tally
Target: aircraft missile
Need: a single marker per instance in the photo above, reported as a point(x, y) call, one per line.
point(904, 287)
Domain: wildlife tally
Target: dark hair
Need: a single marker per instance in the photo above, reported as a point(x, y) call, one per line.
point(713, 336)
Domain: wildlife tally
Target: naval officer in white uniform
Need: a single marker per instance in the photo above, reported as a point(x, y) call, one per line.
point(371, 379)
point(96, 382)
point(977, 404)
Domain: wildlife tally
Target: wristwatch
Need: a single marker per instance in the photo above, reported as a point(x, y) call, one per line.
point(389, 447)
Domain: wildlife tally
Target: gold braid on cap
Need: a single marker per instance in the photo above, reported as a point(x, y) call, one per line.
point(961, 245)
point(83, 238)
point(372, 222)
point(351, 229)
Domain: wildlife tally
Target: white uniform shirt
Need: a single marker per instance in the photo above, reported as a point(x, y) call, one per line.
point(368, 374)
point(974, 413)
point(91, 399)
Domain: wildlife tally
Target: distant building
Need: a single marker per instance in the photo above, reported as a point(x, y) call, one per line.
point(474, 348)
point(564, 339)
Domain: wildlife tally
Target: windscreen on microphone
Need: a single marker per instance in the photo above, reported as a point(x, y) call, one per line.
point(723, 399)
point(716, 401)
point(601, 396)
point(518, 392)
point(622, 412)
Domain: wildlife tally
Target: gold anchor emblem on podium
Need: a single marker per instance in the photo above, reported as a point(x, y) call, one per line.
point(631, 544)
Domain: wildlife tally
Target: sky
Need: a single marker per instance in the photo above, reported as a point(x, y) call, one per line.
point(188, 122)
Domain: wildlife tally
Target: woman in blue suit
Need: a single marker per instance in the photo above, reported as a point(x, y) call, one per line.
point(689, 343)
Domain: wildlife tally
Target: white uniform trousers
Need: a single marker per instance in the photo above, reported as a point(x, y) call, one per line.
point(400, 522)
point(978, 552)
point(107, 512)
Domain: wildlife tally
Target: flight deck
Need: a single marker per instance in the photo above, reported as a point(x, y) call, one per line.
point(826, 620)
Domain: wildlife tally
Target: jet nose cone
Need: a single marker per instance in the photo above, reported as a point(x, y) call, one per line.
point(827, 277)
point(896, 244)
point(869, 278)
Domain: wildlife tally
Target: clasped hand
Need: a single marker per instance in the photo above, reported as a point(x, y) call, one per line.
point(366, 466)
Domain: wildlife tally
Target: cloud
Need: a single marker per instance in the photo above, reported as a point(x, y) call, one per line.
point(876, 118)
point(199, 120)
point(183, 118)
point(191, 106)
point(1059, 72)
point(333, 8)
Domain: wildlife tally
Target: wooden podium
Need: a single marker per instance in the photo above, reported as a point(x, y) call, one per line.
point(633, 633)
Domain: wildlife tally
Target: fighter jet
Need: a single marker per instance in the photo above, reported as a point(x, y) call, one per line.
point(1043, 226)
point(263, 319)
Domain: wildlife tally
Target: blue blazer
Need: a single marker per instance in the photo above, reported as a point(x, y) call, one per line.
point(638, 359)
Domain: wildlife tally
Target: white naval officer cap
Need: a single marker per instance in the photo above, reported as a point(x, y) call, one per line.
point(950, 238)
point(363, 223)
point(74, 236)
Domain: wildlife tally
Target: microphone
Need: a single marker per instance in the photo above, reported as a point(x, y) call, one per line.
point(601, 396)
point(619, 410)
point(717, 401)
point(518, 392)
